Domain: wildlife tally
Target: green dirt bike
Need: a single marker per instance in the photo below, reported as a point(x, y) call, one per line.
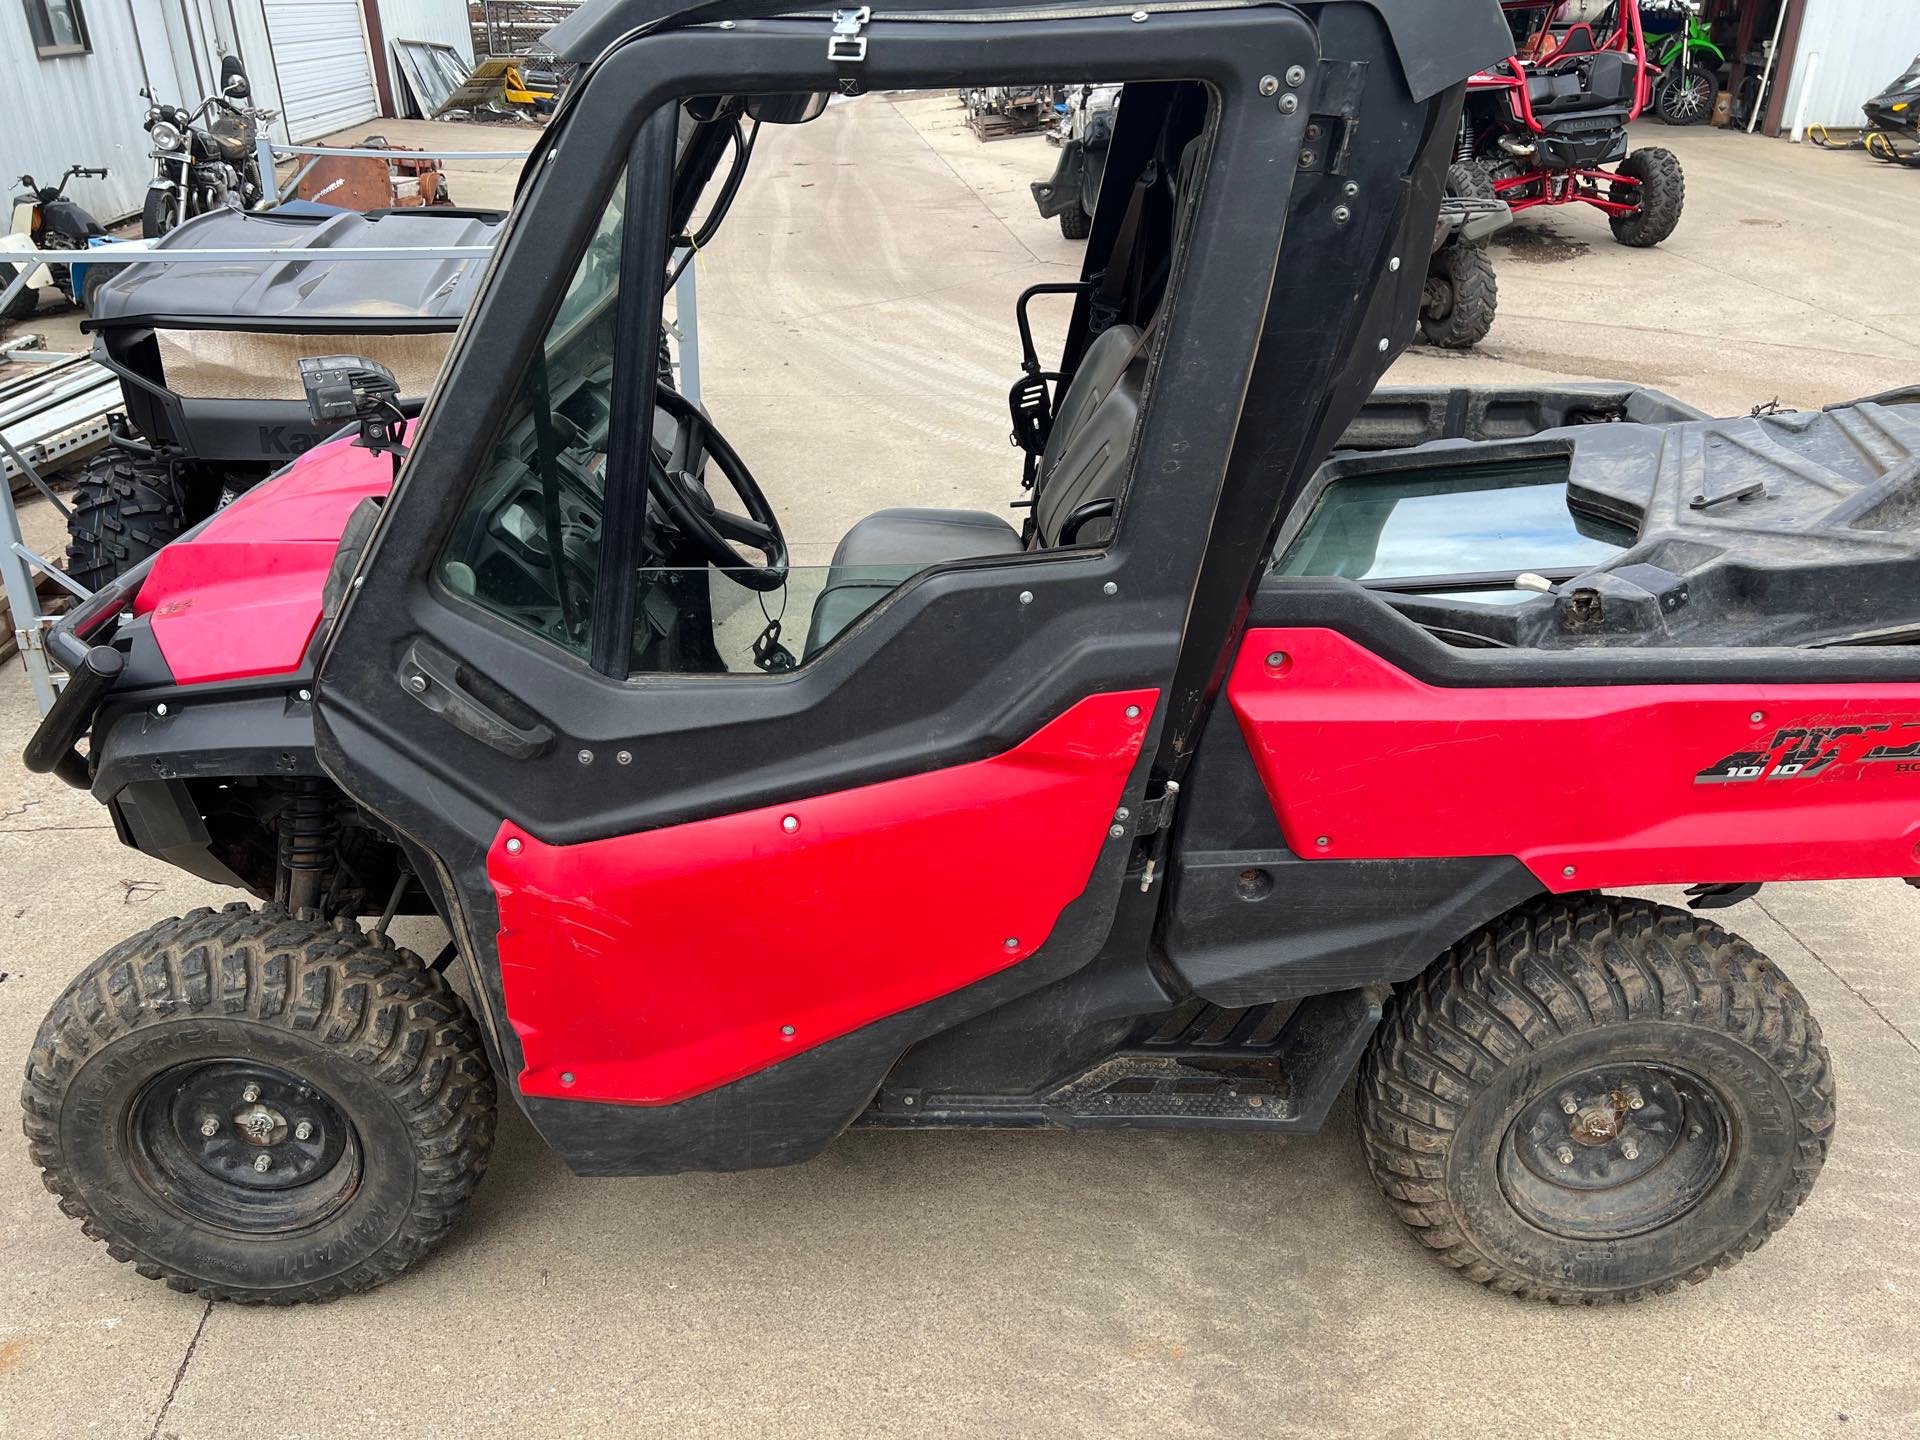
point(1680, 49)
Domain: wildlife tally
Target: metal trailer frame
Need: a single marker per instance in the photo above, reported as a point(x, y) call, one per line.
point(18, 561)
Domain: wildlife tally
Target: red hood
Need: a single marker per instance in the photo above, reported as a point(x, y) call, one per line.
point(242, 598)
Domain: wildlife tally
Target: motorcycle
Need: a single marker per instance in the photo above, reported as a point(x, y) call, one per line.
point(1680, 48)
point(45, 216)
point(205, 158)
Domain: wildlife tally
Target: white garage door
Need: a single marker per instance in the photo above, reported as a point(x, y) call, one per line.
point(320, 55)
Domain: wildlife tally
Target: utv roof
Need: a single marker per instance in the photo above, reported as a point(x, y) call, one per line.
point(1440, 42)
point(308, 293)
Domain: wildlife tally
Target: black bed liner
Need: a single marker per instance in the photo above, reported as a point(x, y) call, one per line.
point(1794, 529)
point(308, 294)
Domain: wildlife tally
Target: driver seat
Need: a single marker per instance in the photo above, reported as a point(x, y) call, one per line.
point(1084, 463)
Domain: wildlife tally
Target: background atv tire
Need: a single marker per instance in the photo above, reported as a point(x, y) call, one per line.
point(1470, 180)
point(1075, 223)
point(1465, 1093)
point(1461, 295)
point(23, 304)
point(125, 507)
point(366, 1093)
point(1662, 193)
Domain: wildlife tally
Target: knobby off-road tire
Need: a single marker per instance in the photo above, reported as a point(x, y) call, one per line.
point(1662, 194)
point(1460, 298)
point(125, 508)
point(185, 1054)
point(1465, 1092)
point(1075, 223)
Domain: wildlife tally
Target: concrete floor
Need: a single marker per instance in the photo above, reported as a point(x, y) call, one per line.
point(1050, 1285)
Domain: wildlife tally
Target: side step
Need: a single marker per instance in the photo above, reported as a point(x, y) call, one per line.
point(1205, 1069)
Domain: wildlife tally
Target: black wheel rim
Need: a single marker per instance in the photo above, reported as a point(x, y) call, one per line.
point(243, 1146)
point(1615, 1151)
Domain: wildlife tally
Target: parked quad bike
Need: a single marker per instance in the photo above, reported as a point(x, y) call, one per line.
point(46, 218)
point(1170, 811)
point(1462, 291)
point(1547, 121)
point(1073, 189)
point(206, 354)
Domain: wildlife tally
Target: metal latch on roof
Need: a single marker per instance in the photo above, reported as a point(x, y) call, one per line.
point(847, 46)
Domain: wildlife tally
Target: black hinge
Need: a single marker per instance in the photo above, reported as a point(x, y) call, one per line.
point(1334, 120)
point(1156, 811)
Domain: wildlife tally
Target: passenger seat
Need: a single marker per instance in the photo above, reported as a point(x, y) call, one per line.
point(1084, 463)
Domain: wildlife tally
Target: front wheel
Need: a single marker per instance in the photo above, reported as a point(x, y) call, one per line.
point(1686, 97)
point(260, 1108)
point(1597, 1099)
point(1658, 198)
point(25, 300)
point(160, 213)
point(125, 508)
point(1075, 223)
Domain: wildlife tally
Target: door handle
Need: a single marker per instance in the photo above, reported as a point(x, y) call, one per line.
point(435, 680)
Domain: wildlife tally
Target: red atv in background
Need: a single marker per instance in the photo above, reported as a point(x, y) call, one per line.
point(1545, 124)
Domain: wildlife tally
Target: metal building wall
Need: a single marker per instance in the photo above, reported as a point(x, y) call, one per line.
point(77, 109)
point(1849, 50)
point(443, 22)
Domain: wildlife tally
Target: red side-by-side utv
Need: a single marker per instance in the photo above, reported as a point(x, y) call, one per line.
point(1546, 122)
point(1299, 731)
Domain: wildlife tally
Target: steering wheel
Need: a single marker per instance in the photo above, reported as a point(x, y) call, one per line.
point(688, 504)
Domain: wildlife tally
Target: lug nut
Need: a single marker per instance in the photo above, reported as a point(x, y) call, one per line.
point(263, 1163)
point(1634, 1100)
point(250, 1094)
point(209, 1126)
point(1569, 1105)
point(303, 1131)
point(1564, 1155)
point(1630, 1150)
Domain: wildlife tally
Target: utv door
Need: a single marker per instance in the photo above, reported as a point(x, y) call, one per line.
point(703, 913)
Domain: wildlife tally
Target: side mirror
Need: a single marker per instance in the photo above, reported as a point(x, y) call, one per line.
point(787, 109)
point(233, 79)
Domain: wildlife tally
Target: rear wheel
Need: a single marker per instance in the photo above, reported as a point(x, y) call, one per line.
point(125, 508)
point(1075, 223)
point(259, 1108)
point(1597, 1099)
point(1686, 97)
point(1660, 196)
point(1461, 294)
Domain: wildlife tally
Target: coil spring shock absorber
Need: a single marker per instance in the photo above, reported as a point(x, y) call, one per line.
point(1463, 142)
point(309, 831)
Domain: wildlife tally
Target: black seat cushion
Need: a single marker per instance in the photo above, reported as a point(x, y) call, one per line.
point(885, 548)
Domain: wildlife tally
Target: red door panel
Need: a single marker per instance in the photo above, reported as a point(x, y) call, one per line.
point(1589, 786)
point(650, 967)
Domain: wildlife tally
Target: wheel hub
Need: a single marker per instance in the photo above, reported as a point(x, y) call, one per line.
point(244, 1145)
point(1615, 1151)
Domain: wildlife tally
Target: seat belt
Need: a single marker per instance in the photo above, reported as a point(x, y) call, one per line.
point(1104, 303)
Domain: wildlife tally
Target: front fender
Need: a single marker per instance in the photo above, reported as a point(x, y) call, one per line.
point(37, 277)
